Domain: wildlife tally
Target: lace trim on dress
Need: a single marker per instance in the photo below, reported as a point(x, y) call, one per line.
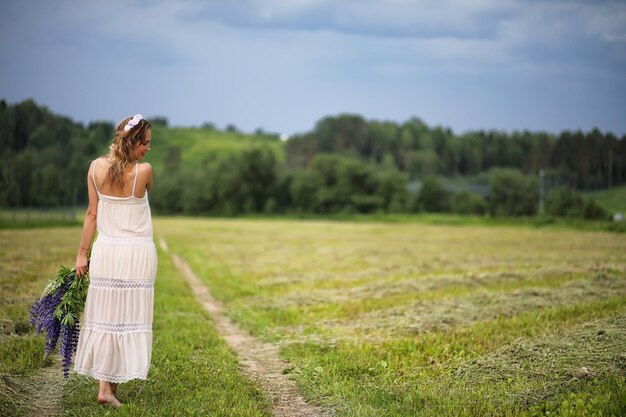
point(110, 199)
point(125, 240)
point(120, 284)
point(112, 378)
point(117, 328)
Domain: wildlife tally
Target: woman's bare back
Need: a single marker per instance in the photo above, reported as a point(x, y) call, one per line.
point(104, 186)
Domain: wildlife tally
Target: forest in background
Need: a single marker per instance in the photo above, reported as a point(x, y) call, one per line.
point(345, 164)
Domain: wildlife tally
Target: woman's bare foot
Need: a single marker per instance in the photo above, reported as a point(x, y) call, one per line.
point(108, 399)
point(106, 394)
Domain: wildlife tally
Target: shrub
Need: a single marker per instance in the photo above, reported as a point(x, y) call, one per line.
point(467, 202)
point(565, 202)
point(433, 196)
point(512, 193)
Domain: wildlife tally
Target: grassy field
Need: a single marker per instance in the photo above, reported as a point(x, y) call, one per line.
point(393, 319)
point(24, 218)
point(28, 258)
point(193, 372)
point(410, 319)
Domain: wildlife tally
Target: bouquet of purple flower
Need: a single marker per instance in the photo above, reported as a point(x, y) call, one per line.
point(57, 312)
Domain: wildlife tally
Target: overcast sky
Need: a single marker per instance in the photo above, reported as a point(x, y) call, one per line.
point(283, 64)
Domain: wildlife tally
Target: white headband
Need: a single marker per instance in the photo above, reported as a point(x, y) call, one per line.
point(133, 122)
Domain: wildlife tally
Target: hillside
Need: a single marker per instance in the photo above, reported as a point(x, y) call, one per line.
point(198, 144)
point(612, 199)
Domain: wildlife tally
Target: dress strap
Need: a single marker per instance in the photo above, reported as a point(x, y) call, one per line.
point(93, 174)
point(135, 182)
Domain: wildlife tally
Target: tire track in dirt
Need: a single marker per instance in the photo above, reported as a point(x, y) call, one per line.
point(260, 361)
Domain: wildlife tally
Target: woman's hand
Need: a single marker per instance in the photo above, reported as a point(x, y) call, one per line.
point(82, 265)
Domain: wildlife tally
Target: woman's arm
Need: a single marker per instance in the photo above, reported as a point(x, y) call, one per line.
point(149, 175)
point(89, 227)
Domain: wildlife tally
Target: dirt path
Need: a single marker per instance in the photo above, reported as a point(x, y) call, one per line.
point(260, 360)
point(46, 389)
point(37, 394)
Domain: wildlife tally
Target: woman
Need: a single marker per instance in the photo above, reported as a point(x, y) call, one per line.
point(115, 342)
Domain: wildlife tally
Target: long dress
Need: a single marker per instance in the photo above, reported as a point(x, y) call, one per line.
point(115, 342)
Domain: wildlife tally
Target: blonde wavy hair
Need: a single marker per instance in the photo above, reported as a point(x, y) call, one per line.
point(122, 149)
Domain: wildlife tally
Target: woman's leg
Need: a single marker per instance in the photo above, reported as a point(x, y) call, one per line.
point(106, 395)
point(114, 388)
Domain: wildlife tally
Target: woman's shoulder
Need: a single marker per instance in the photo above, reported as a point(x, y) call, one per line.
point(145, 166)
point(145, 171)
point(101, 160)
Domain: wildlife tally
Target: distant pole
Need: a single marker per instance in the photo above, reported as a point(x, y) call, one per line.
point(541, 191)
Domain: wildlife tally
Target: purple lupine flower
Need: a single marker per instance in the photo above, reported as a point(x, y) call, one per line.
point(42, 317)
point(54, 312)
point(67, 346)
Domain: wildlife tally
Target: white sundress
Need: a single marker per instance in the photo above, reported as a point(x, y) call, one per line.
point(115, 341)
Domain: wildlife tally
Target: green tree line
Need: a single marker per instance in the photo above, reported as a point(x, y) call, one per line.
point(345, 165)
point(253, 181)
point(44, 157)
point(580, 160)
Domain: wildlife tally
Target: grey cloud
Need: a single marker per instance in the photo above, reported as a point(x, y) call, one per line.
point(284, 64)
point(418, 19)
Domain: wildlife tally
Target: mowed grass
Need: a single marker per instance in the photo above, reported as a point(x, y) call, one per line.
point(193, 372)
point(413, 319)
point(28, 259)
